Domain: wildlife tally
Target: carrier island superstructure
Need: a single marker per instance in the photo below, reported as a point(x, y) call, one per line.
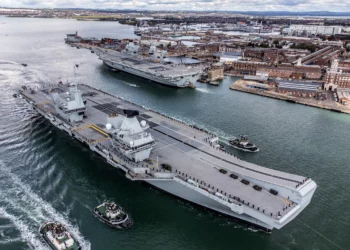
point(154, 67)
point(181, 159)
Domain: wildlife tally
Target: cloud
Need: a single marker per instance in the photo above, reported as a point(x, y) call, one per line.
point(228, 5)
point(292, 2)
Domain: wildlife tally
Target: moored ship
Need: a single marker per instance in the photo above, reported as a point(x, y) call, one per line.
point(242, 143)
point(113, 215)
point(153, 68)
point(57, 237)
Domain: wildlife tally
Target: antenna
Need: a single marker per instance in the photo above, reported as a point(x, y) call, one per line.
point(75, 76)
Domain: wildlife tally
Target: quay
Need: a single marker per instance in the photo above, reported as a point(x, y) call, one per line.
point(241, 85)
point(185, 160)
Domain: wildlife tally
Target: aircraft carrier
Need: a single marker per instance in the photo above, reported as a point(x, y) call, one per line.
point(153, 67)
point(181, 159)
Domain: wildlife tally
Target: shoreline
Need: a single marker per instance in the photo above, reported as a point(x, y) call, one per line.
point(237, 86)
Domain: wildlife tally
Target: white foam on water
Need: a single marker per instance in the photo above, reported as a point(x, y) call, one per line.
point(131, 84)
point(7, 62)
point(35, 208)
point(203, 90)
point(24, 210)
point(8, 241)
point(253, 230)
point(5, 226)
point(26, 233)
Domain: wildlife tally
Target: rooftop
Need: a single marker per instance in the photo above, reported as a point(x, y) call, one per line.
point(296, 85)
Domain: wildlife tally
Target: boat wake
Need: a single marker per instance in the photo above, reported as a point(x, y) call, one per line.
point(27, 234)
point(27, 211)
point(7, 62)
point(203, 90)
point(131, 84)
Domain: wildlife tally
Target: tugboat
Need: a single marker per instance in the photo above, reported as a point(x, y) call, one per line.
point(57, 237)
point(243, 143)
point(113, 215)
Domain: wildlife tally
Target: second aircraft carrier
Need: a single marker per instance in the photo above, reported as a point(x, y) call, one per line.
point(181, 159)
point(153, 67)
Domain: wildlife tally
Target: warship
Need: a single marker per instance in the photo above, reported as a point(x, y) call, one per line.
point(113, 215)
point(57, 237)
point(154, 67)
point(179, 158)
point(72, 38)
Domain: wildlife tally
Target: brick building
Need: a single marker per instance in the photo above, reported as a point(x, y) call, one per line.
point(294, 72)
point(336, 77)
point(282, 71)
point(344, 64)
point(244, 67)
point(254, 52)
point(209, 47)
point(229, 48)
point(274, 55)
point(298, 88)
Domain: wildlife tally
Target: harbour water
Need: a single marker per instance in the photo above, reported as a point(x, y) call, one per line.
point(45, 175)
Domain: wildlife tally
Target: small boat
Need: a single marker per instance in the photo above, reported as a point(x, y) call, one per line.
point(215, 83)
point(57, 237)
point(243, 143)
point(113, 215)
point(24, 64)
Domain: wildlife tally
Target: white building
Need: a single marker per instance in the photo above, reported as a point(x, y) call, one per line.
point(312, 30)
point(229, 57)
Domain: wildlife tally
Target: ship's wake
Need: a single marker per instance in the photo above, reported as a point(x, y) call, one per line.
point(26, 210)
point(26, 233)
point(203, 90)
point(7, 62)
point(131, 84)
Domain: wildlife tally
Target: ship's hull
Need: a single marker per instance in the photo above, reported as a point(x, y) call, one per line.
point(182, 83)
point(246, 149)
point(121, 225)
point(183, 192)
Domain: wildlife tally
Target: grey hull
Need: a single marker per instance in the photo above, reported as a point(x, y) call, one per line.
point(177, 84)
point(179, 190)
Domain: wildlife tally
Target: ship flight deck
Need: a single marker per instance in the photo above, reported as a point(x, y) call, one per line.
point(193, 154)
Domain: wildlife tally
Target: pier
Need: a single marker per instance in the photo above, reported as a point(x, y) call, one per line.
point(241, 85)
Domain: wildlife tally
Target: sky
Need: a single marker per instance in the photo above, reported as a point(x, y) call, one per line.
point(206, 5)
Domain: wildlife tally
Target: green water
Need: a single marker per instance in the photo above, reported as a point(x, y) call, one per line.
point(45, 175)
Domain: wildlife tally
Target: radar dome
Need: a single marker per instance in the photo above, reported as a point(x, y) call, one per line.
point(108, 126)
point(143, 123)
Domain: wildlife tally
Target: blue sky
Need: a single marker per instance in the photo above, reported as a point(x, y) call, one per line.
point(238, 5)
